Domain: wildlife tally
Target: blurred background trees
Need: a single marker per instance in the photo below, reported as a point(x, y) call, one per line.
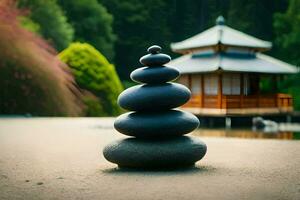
point(287, 43)
point(120, 31)
point(287, 30)
point(92, 24)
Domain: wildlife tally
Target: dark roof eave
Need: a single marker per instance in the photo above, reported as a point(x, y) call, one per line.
point(186, 50)
point(233, 71)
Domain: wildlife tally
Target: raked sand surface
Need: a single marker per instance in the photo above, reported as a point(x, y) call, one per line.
point(61, 158)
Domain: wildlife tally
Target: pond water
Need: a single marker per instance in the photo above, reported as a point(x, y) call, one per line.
point(247, 133)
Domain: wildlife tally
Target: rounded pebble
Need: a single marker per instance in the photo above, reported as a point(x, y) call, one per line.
point(154, 49)
point(154, 97)
point(139, 153)
point(154, 75)
point(155, 59)
point(156, 125)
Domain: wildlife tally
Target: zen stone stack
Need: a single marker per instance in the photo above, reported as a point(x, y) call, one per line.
point(156, 128)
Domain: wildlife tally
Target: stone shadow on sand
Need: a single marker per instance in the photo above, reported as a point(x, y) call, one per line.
point(165, 171)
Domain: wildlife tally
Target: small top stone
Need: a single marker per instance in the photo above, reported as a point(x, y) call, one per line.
point(155, 49)
point(155, 58)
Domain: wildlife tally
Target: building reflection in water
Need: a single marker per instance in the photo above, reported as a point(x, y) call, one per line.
point(246, 133)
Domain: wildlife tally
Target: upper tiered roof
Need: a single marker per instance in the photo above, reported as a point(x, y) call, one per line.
point(224, 49)
point(220, 34)
point(231, 62)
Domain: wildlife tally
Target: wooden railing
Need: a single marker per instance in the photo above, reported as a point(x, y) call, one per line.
point(239, 101)
point(284, 100)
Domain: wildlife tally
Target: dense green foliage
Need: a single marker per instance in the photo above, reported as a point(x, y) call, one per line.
point(52, 21)
point(94, 73)
point(287, 28)
point(92, 24)
point(33, 81)
point(138, 24)
point(254, 17)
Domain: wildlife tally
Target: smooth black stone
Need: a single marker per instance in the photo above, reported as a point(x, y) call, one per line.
point(154, 75)
point(155, 59)
point(154, 49)
point(171, 153)
point(157, 124)
point(154, 97)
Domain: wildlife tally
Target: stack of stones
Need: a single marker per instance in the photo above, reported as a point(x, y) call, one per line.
point(157, 128)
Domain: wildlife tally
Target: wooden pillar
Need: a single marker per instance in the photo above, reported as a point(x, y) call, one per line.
point(258, 91)
point(275, 89)
point(190, 81)
point(202, 91)
point(220, 92)
point(241, 90)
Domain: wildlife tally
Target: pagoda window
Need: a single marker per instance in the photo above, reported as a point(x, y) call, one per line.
point(235, 50)
point(196, 84)
point(184, 80)
point(231, 84)
point(211, 84)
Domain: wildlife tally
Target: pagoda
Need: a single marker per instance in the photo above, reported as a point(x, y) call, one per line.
point(223, 68)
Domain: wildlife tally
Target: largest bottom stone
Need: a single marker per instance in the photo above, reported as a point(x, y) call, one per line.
point(140, 153)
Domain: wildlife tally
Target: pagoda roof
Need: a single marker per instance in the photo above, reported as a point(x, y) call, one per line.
point(231, 62)
point(220, 35)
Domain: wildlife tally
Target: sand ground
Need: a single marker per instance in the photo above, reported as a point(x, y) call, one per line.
point(60, 158)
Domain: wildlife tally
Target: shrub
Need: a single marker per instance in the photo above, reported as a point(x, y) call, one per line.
point(94, 73)
point(93, 106)
point(32, 79)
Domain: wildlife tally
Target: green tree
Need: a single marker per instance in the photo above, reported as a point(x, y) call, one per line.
point(138, 24)
point(190, 17)
point(53, 25)
point(287, 29)
point(254, 17)
point(94, 73)
point(33, 81)
point(92, 24)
